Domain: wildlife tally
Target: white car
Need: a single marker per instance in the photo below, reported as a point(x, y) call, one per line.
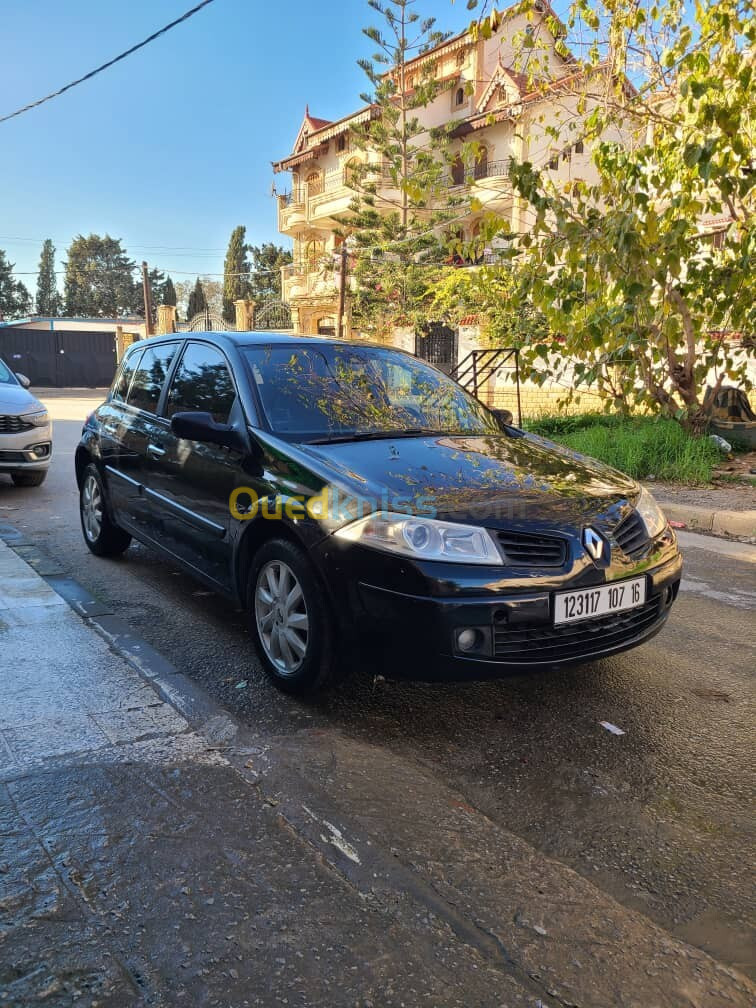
point(25, 431)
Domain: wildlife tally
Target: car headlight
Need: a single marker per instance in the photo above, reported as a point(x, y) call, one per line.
point(423, 538)
point(39, 419)
point(651, 514)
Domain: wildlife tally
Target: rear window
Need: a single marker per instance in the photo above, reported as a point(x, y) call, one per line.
point(124, 375)
point(149, 377)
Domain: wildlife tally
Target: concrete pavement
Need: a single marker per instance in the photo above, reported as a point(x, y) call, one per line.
point(157, 852)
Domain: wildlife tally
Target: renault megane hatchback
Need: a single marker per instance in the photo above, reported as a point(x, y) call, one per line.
point(353, 494)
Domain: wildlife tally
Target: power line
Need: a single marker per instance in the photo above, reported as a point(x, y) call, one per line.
point(105, 66)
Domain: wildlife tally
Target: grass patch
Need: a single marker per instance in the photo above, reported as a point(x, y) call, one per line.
point(642, 447)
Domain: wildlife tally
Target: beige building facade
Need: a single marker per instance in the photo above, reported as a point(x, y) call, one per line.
point(486, 99)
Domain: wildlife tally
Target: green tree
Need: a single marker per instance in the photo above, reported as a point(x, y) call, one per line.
point(15, 300)
point(265, 281)
point(168, 293)
point(235, 273)
point(197, 302)
point(48, 299)
point(618, 264)
point(491, 293)
point(99, 279)
point(402, 196)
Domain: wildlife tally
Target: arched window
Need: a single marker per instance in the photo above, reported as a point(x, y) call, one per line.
point(458, 170)
point(481, 164)
point(314, 183)
point(459, 97)
point(313, 254)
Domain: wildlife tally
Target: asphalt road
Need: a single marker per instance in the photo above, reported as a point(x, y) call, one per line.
point(659, 818)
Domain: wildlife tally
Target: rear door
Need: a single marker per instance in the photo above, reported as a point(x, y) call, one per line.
point(131, 430)
point(190, 482)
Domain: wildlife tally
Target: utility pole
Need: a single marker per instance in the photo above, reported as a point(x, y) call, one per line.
point(342, 289)
point(147, 301)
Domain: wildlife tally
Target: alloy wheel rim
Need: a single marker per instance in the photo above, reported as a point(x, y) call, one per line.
point(91, 509)
point(281, 616)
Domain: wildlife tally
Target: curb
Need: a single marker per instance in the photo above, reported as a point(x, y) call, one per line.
point(733, 524)
point(204, 714)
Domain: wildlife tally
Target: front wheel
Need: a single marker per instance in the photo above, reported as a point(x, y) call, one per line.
point(101, 535)
point(290, 621)
point(29, 477)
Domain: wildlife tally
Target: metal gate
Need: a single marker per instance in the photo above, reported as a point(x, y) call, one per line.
point(60, 358)
point(274, 316)
point(208, 321)
point(437, 344)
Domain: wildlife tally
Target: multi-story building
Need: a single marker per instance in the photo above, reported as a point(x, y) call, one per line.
point(488, 97)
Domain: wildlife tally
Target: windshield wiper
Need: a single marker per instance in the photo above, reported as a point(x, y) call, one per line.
point(377, 435)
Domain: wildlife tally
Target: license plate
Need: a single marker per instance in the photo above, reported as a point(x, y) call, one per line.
point(570, 607)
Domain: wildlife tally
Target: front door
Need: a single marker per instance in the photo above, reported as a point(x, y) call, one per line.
point(189, 482)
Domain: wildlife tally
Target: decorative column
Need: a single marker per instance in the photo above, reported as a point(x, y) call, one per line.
point(245, 314)
point(166, 319)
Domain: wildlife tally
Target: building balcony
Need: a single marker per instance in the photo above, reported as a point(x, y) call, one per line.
point(327, 198)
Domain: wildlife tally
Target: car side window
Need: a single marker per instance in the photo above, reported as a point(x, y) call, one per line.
point(202, 383)
point(149, 377)
point(124, 375)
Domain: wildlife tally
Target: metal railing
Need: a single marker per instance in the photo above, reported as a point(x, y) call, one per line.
point(474, 370)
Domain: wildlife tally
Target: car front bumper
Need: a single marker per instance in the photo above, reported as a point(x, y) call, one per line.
point(29, 449)
point(514, 625)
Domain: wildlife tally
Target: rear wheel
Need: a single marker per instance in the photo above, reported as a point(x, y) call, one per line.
point(101, 535)
point(29, 478)
point(290, 621)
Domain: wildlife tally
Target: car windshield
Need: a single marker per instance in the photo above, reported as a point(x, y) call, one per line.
point(6, 375)
point(338, 392)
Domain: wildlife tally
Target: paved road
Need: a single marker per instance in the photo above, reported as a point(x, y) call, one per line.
point(658, 817)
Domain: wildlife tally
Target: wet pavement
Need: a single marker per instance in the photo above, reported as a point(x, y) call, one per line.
point(656, 819)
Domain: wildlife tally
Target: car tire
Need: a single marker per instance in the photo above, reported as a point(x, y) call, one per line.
point(31, 478)
point(103, 537)
point(290, 621)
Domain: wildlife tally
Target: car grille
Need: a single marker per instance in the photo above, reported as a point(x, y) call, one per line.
point(11, 456)
point(526, 549)
point(527, 646)
point(630, 535)
point(13, 425)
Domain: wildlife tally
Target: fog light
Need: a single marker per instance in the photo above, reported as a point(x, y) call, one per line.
point(467, 639)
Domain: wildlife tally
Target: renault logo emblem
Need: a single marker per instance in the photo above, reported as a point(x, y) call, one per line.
point(593, 543)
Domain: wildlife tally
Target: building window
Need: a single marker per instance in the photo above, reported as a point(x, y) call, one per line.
point(341, 143)
point(459, 97)
point(579, 147)
point(554, 163)
point(314, 183)
point(458, 170)
point(461, 58)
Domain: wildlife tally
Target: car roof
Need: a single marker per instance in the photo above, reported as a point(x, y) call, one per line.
point(252, 338)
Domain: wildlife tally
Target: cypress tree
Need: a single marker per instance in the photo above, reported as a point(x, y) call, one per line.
point(235, 286)
point(197, 301)
point(48, 299)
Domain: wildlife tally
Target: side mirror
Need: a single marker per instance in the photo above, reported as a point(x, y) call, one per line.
point(23, 379)
point(201, 427)
point(504, 417)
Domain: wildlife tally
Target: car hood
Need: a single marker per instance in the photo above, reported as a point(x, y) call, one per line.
point(494, 480)
point(15, 399)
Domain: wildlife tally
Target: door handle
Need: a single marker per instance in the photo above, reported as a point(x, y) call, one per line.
point(155, 451)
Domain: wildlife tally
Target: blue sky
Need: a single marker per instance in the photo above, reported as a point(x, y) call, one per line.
point(171, 148)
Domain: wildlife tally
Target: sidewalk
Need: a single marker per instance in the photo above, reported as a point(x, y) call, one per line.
point(154, 852)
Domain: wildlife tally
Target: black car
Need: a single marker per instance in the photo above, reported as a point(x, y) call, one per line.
point(352, 494)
